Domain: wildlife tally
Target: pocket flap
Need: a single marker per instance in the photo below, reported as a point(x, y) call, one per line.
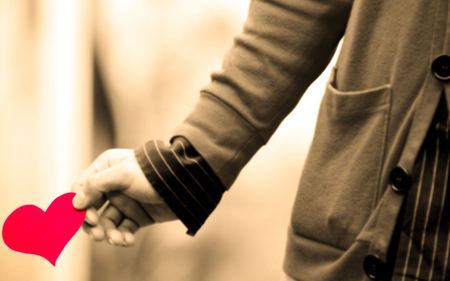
point(355, 102)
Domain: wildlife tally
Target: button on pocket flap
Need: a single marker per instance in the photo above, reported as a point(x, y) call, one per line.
point(355, 102)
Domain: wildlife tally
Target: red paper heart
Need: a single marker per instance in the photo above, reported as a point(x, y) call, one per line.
point(30, 230)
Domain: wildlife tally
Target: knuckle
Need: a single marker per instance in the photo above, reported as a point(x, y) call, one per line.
point(77, 186)
point(127, 176)
point(90, 183)
point(109, 153)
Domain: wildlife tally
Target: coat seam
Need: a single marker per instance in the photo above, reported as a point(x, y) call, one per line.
point(383, 157)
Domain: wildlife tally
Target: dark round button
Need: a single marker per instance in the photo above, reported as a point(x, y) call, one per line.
point(441, 67)
point(374, 267)
point(400, 180)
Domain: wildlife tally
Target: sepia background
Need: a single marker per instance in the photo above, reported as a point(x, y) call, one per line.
point(78, 77)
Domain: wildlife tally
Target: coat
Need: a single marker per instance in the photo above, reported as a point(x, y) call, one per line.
point(375, 113)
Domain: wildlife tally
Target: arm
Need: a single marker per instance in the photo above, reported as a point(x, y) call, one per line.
point(284, 47)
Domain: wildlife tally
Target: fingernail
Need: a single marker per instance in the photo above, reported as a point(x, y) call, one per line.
point(78, 200)
point(110, 241)
point(125, 243)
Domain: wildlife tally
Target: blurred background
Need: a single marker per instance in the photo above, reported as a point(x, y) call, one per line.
point(78, 77)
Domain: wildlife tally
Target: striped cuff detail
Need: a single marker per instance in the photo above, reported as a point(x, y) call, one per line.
point(182, 178)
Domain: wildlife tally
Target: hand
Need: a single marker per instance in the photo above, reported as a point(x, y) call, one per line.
point(133, 203)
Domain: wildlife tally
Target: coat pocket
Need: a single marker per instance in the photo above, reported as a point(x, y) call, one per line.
point(340, 178)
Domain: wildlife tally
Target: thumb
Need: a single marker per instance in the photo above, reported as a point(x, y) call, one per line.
point(115, 178)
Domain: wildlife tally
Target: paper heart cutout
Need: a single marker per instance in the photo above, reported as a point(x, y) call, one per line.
point(32, 231)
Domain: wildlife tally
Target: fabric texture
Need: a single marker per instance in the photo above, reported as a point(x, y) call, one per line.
point(374, 116)
point(182, 178)
point(424, 247)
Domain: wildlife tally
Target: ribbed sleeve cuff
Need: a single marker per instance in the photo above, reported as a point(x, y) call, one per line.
point(182, 178)
point(221, 135)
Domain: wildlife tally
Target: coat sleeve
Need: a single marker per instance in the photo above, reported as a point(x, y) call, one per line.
point(182, 178)
point(284, 46)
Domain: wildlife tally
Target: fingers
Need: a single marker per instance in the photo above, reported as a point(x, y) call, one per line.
point(99, 164)
point(159, 212)
point(91, 216)
point(130, 208)
point(106, 160)
point(119, 230)
point(116, 170)
point(91, 227)
point(96, 232)
point(90, 224)
point(110, 218)
point(123, 235)
point(80, 198)
point(128, 228)
point(111, 179)
point(116, 175)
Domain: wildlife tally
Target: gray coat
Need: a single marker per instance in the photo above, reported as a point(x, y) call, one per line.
point(378, 105)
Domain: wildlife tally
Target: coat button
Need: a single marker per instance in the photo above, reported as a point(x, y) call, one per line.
point(400, 180)
point(374, 267)
point(441, 67)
